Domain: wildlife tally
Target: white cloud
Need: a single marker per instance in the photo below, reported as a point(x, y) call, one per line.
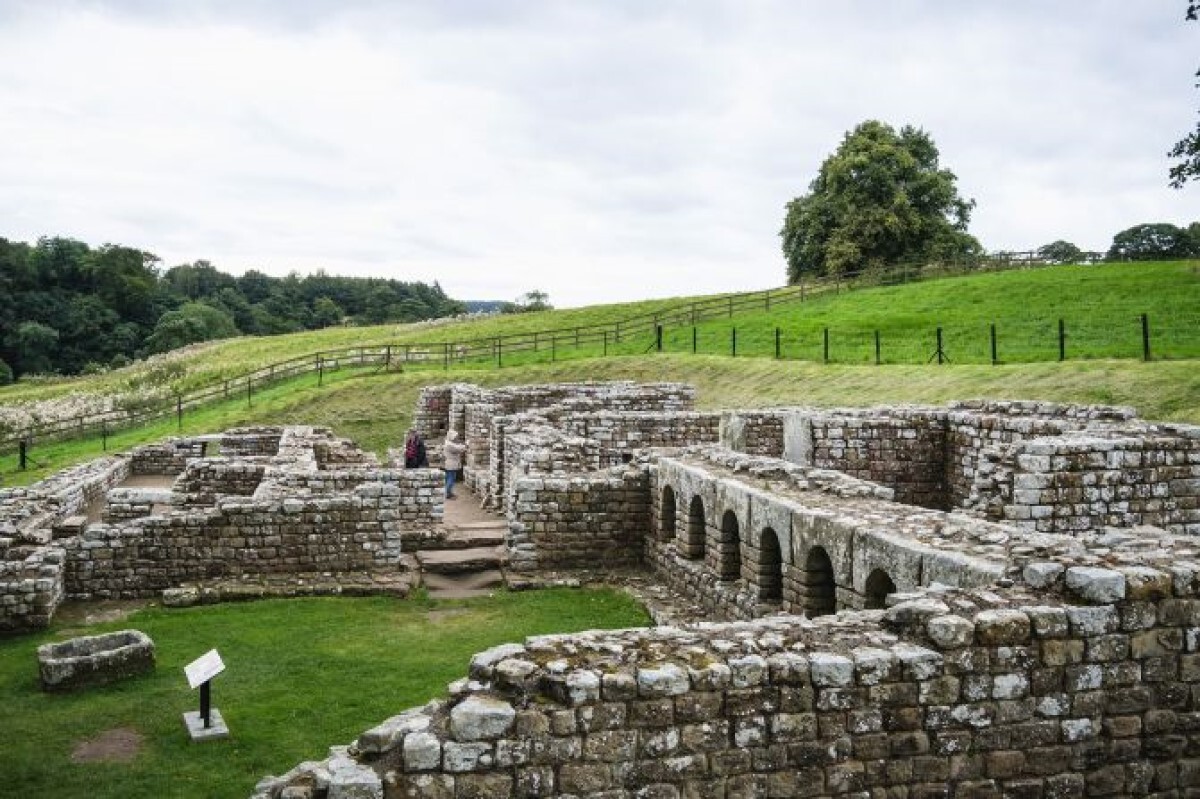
point(596, 151)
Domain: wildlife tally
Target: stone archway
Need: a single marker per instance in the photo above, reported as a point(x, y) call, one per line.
point(729, 564)
point(667, 513)
point(770, 568)
point(820, 591)
point(693, 543)
point(879, 586)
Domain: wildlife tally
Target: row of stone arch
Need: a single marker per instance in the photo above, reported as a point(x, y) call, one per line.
point(767, 569)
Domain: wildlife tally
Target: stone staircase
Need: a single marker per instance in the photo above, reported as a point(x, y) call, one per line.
point(468, 562)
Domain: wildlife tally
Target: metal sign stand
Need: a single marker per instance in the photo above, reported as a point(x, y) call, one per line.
point(205, 724)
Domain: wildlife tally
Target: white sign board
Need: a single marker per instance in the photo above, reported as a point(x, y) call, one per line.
point(204, 668)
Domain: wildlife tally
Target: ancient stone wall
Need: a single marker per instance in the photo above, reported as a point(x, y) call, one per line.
point(251, 441)
point(1081, 482)
point(907, 454)
point(223, 474)
point(744, 536)
point(416, 497)
point(168, 458)
point(1083, 688)
point(431, 416)
point(349, 533)
point(31, 586)
point(595, 521)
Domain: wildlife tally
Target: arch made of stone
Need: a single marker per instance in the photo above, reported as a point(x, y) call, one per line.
point(770, 567)
point(820, 589)
point(878, 586)
point(729, 546)
point(696, 531)
point(668, 513)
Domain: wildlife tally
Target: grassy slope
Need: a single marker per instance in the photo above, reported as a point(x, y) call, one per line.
point(301, 675)
point(1101, 306)
point(234, 356)
point(1100, 303)
point(375, 409)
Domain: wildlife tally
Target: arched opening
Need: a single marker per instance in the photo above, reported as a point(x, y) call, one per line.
point(770, 568)
point(666, 522)
point(879, 586)
point(820, 595)
point(693, 544)
point(729, 566)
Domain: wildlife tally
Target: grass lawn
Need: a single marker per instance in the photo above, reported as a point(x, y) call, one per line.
point(1100, 305)
point(301, 675)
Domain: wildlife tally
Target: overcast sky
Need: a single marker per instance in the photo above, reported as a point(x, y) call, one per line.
point(598, 151)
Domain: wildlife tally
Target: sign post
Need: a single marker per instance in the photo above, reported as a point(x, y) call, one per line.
point(206, 724)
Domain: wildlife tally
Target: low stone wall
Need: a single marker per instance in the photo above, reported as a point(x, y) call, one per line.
point(125, 504)
point(595, 521)
point(1077, 483)
point(416, 497)
point(224, 474)
point(251, 441)
point(905, 454)
point(352, 533)
point(955, 693)
point(168, 458)
point(31, 587)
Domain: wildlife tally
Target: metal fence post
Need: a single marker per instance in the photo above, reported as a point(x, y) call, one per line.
point(693, 340)
point(877, 360)
point(320, 371)
point(1062, 340)
point(733, 341)
point(23, 454)
point(658, 338)
point(1145, 337)
point(178, 412)
point(826, 336)
point(992, 336)
point(776, 343)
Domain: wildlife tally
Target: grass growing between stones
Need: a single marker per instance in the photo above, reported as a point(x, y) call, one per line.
point(301, 675)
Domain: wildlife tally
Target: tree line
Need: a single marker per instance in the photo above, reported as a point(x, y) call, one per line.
point(69, 308)
point(884, 198)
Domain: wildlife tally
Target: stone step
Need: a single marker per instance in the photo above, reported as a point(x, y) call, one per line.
point(457, 561)
point(491, 524)
point(470, 539)
point(462, 586)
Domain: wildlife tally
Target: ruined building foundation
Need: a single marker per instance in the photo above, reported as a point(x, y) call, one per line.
point(981, 600)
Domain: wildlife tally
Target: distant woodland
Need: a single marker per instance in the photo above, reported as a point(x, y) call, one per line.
point(69, 308)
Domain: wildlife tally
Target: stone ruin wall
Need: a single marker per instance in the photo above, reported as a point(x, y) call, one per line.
point(236, 537)
point(745, 536)
point(1078, 681)
point(595, 521)
point(265, 507)
point(991, 458)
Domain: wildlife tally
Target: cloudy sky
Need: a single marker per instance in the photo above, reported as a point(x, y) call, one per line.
point(604, 150)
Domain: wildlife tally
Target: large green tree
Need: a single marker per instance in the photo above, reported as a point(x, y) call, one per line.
point(1155, 241)
point(881, 198)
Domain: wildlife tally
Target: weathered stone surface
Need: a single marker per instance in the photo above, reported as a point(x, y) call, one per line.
point(1098, 586)
point(480, 718)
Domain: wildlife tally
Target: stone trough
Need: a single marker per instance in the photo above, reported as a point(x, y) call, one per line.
point(95, 660)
